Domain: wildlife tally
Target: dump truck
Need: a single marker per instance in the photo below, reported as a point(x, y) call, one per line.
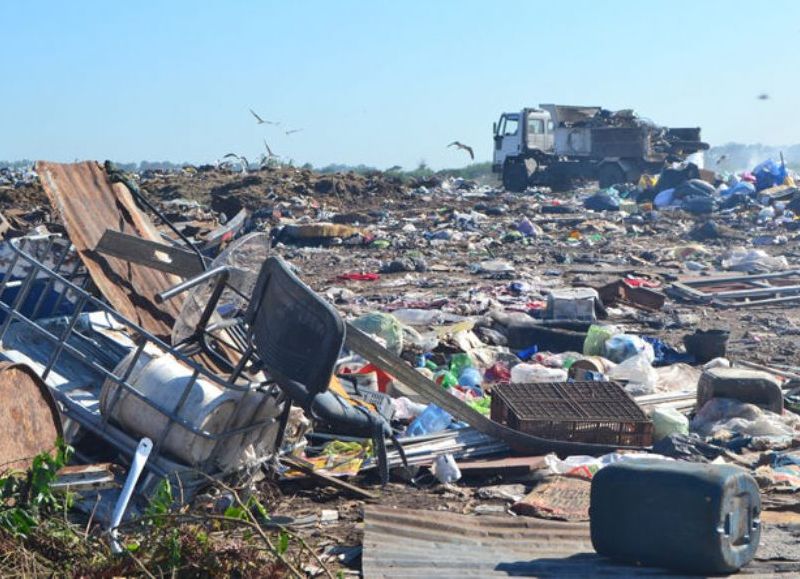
point(554, 145)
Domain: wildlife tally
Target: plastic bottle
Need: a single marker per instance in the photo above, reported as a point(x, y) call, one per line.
point(445, 379)
point(433, 419)
point(527, 373)
point(460, 361)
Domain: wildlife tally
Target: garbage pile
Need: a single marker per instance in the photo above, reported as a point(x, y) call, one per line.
point(538, 360)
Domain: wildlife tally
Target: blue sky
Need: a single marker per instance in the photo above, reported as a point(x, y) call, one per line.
point(379, 83)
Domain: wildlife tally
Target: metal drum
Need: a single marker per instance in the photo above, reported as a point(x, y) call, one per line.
point(162, 379)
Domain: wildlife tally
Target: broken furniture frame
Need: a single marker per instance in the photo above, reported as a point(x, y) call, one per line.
point(740, 291)
point(81, 405)
point(291, 333)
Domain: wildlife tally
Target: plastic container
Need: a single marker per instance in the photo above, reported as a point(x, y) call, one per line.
point(695, 518)
point(752, 386)
point(571, 304)
point(433, 419)
point(590, 365)
point(668, 421)
point(526, 373)
point(705, 345)
point(162, 379)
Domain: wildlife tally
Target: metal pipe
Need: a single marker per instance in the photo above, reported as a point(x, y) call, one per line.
point(190, 283)
point(137, 466)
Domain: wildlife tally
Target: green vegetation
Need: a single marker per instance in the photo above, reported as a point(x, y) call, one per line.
point(40, 535)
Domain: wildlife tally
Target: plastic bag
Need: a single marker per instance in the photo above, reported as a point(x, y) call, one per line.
point(528, 373)
point(585, 467)
point(698, 204)
point(768, 174)
point(721, 417)
point(445, 469)
point(667, 421)
point(607, 200)
point(596, 338)
point(623, 346)
point(637, 371)
point(384, 326)
point(677, 377)
point(664, 199)
point(753, 261)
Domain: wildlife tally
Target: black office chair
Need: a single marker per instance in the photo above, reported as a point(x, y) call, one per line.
point(296, 337)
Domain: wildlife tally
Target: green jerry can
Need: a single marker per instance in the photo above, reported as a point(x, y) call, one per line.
point(696, 518)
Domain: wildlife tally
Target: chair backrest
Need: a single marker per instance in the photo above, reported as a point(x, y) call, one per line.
point(296, 334)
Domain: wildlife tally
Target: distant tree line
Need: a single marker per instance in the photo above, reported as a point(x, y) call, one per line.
point(729, 157)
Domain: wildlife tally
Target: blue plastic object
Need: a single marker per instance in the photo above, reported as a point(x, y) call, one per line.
point(470, 378)
point(665, 354)
point(696, 518)
point(433, 419)
point(768, 174)
point(527, 353)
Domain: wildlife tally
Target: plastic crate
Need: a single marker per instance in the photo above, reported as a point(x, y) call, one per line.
point(599, 412)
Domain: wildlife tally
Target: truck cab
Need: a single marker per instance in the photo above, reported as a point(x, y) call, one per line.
point(522, 134)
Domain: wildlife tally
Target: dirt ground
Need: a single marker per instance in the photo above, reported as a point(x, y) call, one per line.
point(435, 223)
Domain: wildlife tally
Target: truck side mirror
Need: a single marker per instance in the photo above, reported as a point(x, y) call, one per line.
point(494, 128)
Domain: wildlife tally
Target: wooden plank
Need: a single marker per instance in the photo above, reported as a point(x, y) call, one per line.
point(89, 204)
point(306, 468)
point(168, 259)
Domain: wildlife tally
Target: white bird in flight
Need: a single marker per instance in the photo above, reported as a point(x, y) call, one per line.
point(262, 121)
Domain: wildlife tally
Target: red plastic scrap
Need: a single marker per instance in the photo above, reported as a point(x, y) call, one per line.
point(359, 276)
point(641, 282)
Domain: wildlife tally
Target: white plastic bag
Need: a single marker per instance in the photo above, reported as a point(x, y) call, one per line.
point(586, 466)
point(725, 416)
point(753, 261)
point(445, 469)
point(640, 375)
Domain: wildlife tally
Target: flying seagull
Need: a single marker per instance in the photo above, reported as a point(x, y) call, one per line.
point(467, 148)
point(763, 96)
point(270, 154)
point(262, 121)
point(721, 159)
point(291, 131)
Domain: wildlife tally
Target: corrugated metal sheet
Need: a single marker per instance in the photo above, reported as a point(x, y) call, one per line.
point(413, 543)
point(89, 204)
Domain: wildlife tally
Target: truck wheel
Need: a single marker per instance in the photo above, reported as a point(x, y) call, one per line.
point(515, 176)
point(609, 175)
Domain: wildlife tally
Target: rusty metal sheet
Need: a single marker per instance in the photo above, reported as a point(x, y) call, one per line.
point(557, 497)
point(29, 417)
point(416, 543)
point(89, 204)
